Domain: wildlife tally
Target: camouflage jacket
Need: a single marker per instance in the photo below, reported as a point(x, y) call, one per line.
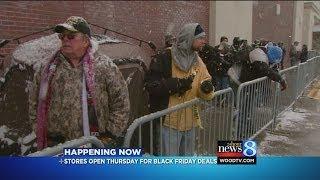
point(65, 112)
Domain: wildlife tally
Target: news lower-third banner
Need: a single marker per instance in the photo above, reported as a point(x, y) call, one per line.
point(87, 167)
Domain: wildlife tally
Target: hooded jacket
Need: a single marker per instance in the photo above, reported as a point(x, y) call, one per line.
point(182, 52)
point(165, 66)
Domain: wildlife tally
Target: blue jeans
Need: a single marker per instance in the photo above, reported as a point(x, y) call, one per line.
point(222, 82)
point(178, 142)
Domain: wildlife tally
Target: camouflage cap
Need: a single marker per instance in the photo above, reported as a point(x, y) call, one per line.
point(169, 37)
point(74, 24)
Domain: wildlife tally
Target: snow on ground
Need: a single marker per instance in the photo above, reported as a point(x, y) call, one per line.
point(288, 122)
point(3, 130)
point(7, 139)
point(290, 119)
point(29, 138)
point(296, 133)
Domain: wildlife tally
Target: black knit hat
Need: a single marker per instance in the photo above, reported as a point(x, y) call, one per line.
point(199, 32)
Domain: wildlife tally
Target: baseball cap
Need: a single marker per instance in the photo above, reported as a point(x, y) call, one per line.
point(74, 24)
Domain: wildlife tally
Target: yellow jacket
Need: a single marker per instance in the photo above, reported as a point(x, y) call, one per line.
point(188, 118)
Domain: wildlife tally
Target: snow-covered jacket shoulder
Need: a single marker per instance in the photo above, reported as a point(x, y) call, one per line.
point(258, 55)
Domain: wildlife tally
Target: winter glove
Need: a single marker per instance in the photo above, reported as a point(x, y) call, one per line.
point(283, 84)
point(177, 85)
point(206, 86)
point(172, 85)
point(185, 84)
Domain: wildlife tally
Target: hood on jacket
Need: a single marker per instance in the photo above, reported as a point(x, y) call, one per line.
point(258, 55)
point(183, 54)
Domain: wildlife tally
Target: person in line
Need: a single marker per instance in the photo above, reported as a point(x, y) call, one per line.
point(78, 92)
point(178, 75)
point(294, 53)
point(304, 53)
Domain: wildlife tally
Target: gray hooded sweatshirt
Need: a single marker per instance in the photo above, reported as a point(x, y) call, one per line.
point(182, 52)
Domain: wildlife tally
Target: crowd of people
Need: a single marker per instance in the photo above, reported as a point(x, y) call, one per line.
point(220, 58)
point(72, 96)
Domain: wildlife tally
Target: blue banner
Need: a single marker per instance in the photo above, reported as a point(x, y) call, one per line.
point(156, 168)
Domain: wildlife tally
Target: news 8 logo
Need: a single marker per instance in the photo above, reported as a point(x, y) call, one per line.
point(249, 148)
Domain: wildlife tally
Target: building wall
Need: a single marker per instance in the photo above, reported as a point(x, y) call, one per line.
point(212, 23)
point(308, 22)
point(298, 21)
point(311, 18)
point(147, 20)
point(275, 27)
point(232, 18)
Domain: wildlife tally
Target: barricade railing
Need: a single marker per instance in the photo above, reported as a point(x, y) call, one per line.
point(86, 141)
point(189, 128)
point(312, 54)
point(286, 98)
point(260, 101)
point(255, 104)
point(307, 71)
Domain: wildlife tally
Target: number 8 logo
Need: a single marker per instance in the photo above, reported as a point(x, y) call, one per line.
point(250, 148)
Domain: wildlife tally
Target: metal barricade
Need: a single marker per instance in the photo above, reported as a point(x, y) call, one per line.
point(286, 98)
point(255, 103)
point(170, 132)
point(260, 101)
point(76, 143)
point(307, 71)
point(301, 81)
point(312, 54)
point(313, 67)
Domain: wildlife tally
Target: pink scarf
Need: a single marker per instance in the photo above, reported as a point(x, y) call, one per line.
point(44, 98)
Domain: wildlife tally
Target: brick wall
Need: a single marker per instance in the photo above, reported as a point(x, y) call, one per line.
point(266, 24)
point(147, 20)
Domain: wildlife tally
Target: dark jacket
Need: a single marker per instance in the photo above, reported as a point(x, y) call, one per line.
point(207, 54)
point(155, 80)
point(304, 55)
point(258, 69)
point(217, 63)
point(235, 54)
point(222, 62)
point(284, 52)
point(165, 82)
